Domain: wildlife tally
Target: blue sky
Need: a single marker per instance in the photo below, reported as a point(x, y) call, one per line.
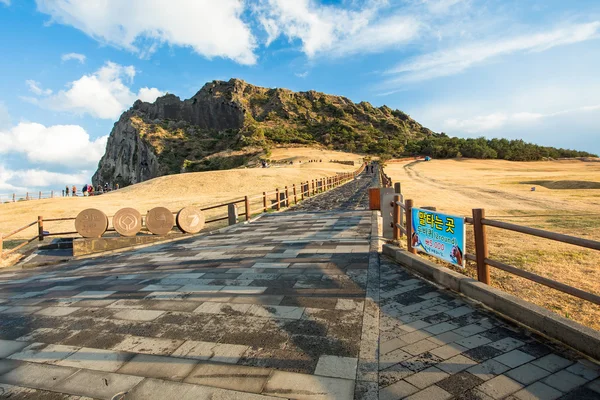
point(69, 68)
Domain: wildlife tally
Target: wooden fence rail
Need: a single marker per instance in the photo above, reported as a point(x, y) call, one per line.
point(481, 256)
point(323, 184)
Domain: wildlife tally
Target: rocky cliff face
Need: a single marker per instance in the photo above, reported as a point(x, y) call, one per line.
point(173, 135)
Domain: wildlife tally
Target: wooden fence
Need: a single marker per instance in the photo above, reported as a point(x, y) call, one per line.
point(283, 198)
point(481, 256)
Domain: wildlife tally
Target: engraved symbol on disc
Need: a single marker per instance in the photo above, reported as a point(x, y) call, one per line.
point(160, 220)
point(190, 220)
point(91, 223)
point(127, 221)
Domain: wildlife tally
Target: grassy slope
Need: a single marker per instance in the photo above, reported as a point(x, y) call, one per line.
point(457, 186)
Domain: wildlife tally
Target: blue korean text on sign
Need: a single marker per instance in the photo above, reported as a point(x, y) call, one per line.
point(440, 235)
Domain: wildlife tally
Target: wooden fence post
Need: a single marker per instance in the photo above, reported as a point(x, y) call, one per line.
point(278, 199)
point(287, 197)
point(295, 196)
point(302, 187)
point(397, 188)
point(1, 244)
point(409, 232)
point(232, 214)
point(396, 218)
point(247, 205)
point(313, 187)
point(481, 248)
point(265, 201)
point(40, 222)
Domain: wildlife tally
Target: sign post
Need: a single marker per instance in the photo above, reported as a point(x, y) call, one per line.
point(439, 235)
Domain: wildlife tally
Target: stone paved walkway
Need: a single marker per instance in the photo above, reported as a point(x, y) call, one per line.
point(294, 305)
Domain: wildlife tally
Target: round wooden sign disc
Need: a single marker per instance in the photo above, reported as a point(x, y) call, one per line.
point(160, 220)
point(91, 223)
point(190, 220)
point(127, 221)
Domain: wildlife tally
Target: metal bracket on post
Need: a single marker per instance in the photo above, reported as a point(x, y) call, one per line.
point(409, 230)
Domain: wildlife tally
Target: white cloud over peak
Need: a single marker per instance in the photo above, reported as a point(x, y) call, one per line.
point(149, 94)
point(5, 2)
point(68, 145)
point(23, 180)
point(4, 117)
point(103, 94)
point(455, 60)
point(211, 28)
point(73, 56)
point(335, 30)
point(35, 88)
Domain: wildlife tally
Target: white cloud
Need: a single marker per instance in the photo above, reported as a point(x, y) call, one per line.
point(455, 60)
point(149, 94)
point(35, 88)
point(211, 28)
point(5, 2)
point(102, 94)
point(21, 181)
point(441, 6)
point(73, 56)
point(335, 31)
point(68, 145)
point(495, 121)
point(302, 74)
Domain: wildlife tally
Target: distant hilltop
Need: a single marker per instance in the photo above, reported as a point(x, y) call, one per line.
point(228, 124)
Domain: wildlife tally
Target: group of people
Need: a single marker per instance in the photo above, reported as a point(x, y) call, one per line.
point(88, 190)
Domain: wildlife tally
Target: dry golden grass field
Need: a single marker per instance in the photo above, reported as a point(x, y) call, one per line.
point(177, 191)
point(566, 200)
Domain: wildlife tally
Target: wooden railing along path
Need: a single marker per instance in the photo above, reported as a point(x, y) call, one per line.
point(283, 198)
point(481, 256)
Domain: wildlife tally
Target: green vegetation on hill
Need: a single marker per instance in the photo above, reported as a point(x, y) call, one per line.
point(443, 146)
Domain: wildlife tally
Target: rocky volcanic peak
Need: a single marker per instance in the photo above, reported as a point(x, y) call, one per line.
point(173, 135)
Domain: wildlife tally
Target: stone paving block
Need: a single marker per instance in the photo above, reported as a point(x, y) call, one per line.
point(391, 345)
point(460, 311)
point(420, 347)
point(398, 390)
point(447, 351)
point(44, 353)
point(337, 367)
point(164, 390)
point(270, 265)
point(21, 310)
point(57, 311)
point(586, 369)
point(93, 294)
point(96, 359)
point(236, 377)
point(488, 369)
point(552, 362)
point(96, 384)
point(138, 315)
point(139, 344)
point(222, 308)
point(159, 367)
point(564, 381)
point(432, 392)
point(299, 386)
point(415, 336)
point(594, 385)
point(441, 328)
point(500, 387)
point(445, 338)
point(527, 373)
point(470, 330)
point(392, 358)
point(426, 377)
point(8, 365)
point(473, 341)
point(8, 347)
point(456, 364)
point(243, 290)
point(285, 312)
point(199, 289)
point(514, 358)
point(538, 391)
point(506, 344)
point(459, 383)
point(160, 288)
point(219, 352)
point(37, 376)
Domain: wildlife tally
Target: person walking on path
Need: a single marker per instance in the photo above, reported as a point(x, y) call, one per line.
point(67, 190)
point(85, 190)
point(91, 190)
point(74, 191)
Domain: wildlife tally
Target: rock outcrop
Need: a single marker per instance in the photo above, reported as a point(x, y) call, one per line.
point(173, 135)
